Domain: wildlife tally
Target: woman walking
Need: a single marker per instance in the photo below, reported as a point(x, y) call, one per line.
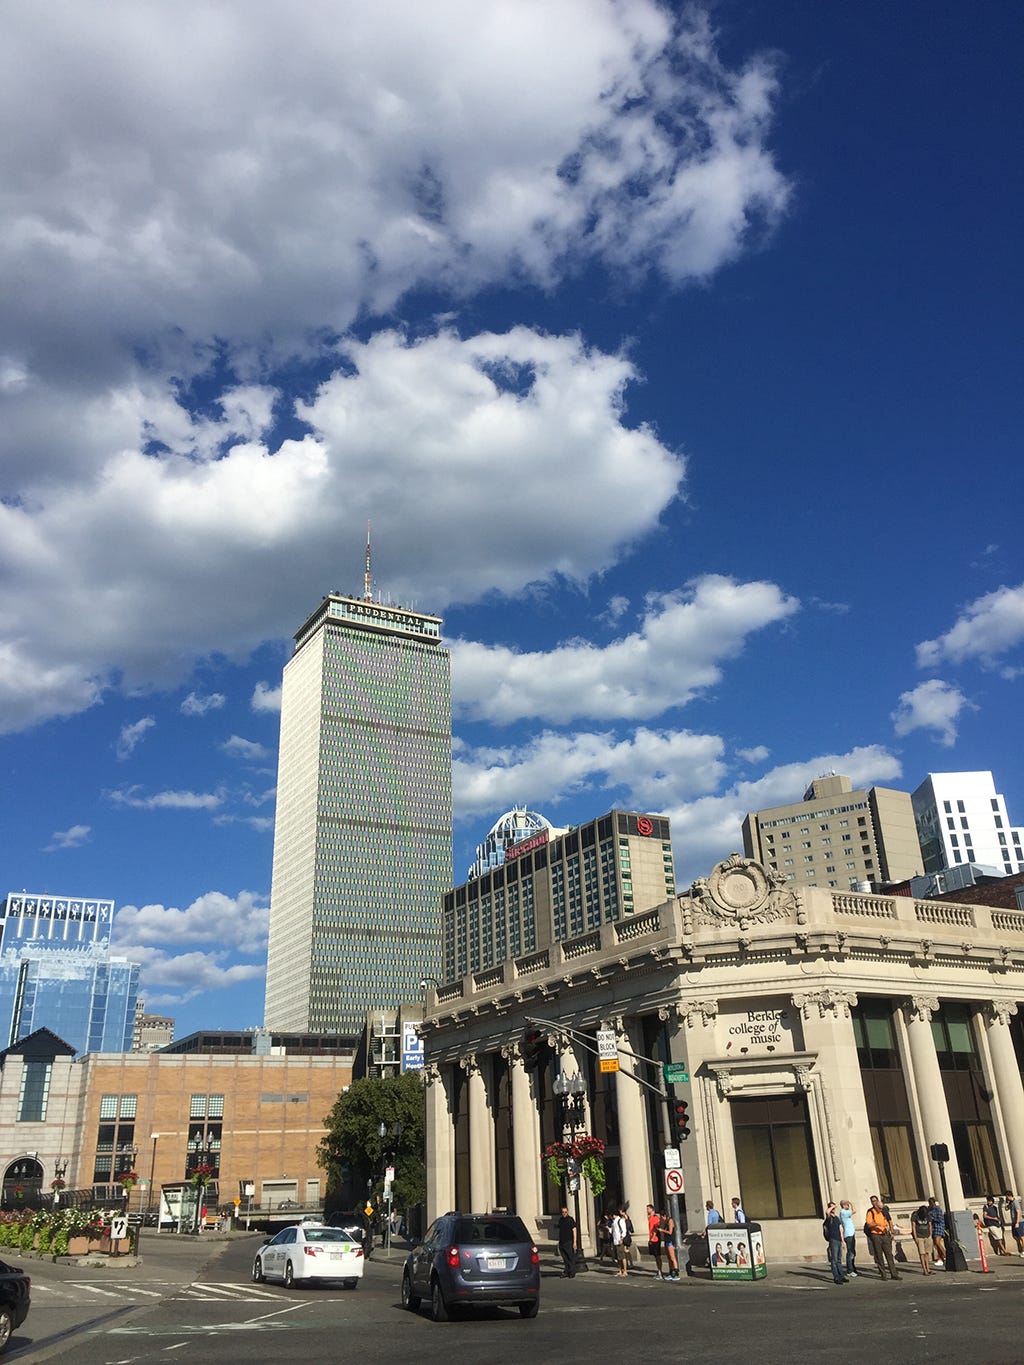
point(654, 1239)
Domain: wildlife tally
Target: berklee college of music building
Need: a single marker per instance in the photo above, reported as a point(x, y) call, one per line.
point(831, 1039)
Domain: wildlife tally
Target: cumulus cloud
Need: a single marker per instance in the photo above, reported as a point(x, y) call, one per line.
point(932, 705)
point(165, 800)
point(986, 629)
point(197, 705)
point(68, 838)
point(170, 979)
point(130, 736)
point(755, 755)
point(236, 922)
point(678, 651)
point(266, 698)
point(247, 749)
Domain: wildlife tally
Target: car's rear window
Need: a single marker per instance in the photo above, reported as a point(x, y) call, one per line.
point(327, 1235)
point(490, 1230)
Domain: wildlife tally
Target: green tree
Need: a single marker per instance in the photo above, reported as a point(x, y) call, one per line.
point(354, 1147)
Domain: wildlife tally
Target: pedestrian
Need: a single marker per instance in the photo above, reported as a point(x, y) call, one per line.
point(668, 1241)
point(654, 1239)
point(921, 1230)
point(878, 1226)
point(738, 1216)
point(992, 1222)
point(711, 1213)
point(604, 1237)
point(568, 1242)
point(1013, 1208)
point(619, 1235)
point(937, 1218)
point(832, 1229)
point(846, 1217)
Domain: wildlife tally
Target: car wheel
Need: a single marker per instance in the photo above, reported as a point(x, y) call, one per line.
point(289, 1275)
point(529, 1310)
point(258, 1276)
point(6, 1327)
point(351, 1284)
point(409, 1299)
point(438, 1307)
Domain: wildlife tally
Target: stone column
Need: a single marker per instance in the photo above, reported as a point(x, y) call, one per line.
point(931, 1097)
point(481, 1137)
point(440, 1134)
point(634, 1144)
point(525, 1142)
point(709, 1155)
point(1007, 1084)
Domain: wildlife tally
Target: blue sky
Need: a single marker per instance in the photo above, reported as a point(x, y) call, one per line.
point(674, 354)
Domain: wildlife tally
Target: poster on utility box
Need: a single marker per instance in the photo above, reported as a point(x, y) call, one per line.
point(736, 1252)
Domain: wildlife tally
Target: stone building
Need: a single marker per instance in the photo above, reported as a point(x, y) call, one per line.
point(831, 1039)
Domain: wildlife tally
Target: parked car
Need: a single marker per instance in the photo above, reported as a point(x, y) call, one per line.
point(303, 1253)
point(468, 1259)
point(15, 1299)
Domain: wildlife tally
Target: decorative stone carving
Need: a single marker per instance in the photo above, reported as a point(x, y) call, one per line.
point(511, 1053)
point(469, 1063)
point(741, 892)
point(838, 1003)
point(431, 1073)
point(699, 1011)
point(804, 1079)
point(1001, 1011)
point(922, 1007)
point(725, 1082)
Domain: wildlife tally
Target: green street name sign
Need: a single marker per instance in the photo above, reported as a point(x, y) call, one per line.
point(675, 1072)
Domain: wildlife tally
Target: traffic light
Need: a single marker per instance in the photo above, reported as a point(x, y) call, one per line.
point(681, 1119)
point(531, 1048)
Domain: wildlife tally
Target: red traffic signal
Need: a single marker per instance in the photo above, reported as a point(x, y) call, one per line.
point(681, 1119)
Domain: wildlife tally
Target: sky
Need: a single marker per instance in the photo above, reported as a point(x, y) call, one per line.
point(674, 354)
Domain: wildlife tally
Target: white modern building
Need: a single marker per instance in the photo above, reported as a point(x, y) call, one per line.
point(363, 835)
point(961, 818)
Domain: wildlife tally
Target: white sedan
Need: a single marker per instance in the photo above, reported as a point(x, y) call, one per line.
point(309, 1252)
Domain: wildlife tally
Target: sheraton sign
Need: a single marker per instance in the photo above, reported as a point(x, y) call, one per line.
point(526, 846)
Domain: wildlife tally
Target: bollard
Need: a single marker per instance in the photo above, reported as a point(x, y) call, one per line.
point(981, 1247)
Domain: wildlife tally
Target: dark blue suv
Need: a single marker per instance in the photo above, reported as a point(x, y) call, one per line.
point(467, 1259)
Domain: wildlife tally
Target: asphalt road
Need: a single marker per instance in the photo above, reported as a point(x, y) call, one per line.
point(201, 1300)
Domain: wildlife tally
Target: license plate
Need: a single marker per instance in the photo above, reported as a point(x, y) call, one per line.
point(336, 1255)
point(497, 1262)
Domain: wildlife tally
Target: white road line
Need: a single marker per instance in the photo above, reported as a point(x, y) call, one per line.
point(94, 1289)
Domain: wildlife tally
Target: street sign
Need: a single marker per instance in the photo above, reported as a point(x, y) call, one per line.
point(674, 1182)
point(607, 1049)
point(675, 1072)
point(672, 1162)
point(118, 1229)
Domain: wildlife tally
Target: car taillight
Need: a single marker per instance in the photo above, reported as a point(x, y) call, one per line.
point(311, 1251)
point(356, 1251)
point(534, 1256)
point(453, 1257)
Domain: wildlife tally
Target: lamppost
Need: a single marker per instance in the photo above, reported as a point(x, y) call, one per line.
point(570, 1091)
point(202, 1145)
point(152, 1178)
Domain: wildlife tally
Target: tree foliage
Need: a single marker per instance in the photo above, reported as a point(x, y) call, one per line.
point(354, 1151)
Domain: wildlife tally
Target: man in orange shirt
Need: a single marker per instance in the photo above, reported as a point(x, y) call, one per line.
point(878, 1227)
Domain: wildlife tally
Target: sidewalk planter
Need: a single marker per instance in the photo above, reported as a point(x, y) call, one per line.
point(79, 1245)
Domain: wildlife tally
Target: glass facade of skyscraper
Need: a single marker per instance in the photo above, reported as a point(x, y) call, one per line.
point(363, 837)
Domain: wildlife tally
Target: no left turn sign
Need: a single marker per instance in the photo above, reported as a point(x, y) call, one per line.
point(674, 1181)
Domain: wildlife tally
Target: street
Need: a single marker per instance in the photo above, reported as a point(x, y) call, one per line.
point(201, 1299)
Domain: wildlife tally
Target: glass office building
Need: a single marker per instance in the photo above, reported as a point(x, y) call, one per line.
point(57, 972)
point(363, 833)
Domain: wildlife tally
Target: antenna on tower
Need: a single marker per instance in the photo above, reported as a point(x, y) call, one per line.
point(368, 575)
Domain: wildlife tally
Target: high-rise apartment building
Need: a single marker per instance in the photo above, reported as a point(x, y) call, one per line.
point(555, 886)
point(57, 972)
point(363, 835)
point(961, 818)
point(836, 836)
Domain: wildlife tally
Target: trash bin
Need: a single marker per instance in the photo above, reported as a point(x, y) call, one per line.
point(736, 1251)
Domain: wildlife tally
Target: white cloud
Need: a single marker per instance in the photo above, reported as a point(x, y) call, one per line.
point(197, 705)
point(68, 838)
point(165, 800)
point(130, 736)
point(988, 627)
point(678, 651)
point(932, 705)
point(167, 980)
point(246, 749)
point(266, 698)
point(755, 755)
point(238, 923)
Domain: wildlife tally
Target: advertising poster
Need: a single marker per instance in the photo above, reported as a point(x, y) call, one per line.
point(736, 1251)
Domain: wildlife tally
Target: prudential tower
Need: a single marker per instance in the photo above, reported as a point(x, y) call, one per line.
point(363, 834)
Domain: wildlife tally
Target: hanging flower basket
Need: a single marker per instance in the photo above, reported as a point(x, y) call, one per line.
point(58, 1184)
point(129, 1180)
point(587, 1150)
point(202, 1175)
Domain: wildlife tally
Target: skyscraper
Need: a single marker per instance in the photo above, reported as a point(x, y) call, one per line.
point(57, 972)
point(363, 835)
point(961, 818)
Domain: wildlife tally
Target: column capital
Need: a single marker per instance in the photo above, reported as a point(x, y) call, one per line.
point(827, 1001)
point(1000, 1011)
point(512, 1053)
point(920, 1008)
point(470, 1064)
point(431, 1073)
point(702, 1012)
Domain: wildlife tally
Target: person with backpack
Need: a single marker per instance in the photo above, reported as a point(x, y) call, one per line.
point(878, 1226)
point(832, 1229)
point(937, 1218)
point(993, 1224)
point(620, 1243)
point(921, 1229)
point(1013, 1214)
point(654, 1239)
